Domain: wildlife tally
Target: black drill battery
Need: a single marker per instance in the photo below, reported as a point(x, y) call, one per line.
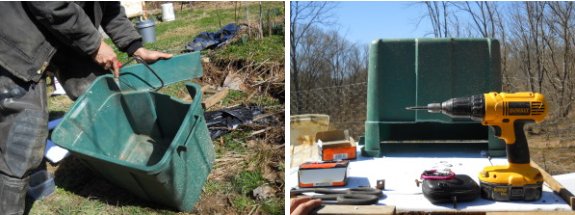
point(498, 192)
point(461, 188)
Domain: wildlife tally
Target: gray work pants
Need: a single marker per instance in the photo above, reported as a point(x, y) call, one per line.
point(23, 132)
point(24, 123)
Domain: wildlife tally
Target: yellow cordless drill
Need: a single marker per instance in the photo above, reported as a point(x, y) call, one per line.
point(507, 113)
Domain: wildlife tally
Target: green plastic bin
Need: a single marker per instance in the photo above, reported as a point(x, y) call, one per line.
point(156, 146)
point(419, 71)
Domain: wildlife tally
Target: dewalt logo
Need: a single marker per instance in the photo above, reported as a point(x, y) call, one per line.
point(518, 111)
point(517, 108)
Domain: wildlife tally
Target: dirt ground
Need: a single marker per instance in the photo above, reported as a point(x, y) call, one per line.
point(553, 155)
point(259, 152)
point(552, 144)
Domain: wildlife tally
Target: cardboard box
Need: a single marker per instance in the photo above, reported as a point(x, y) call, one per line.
point(323, 174)
point(303, 144)
point(336, 145)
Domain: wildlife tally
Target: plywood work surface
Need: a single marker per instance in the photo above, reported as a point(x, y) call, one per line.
point(401, 170)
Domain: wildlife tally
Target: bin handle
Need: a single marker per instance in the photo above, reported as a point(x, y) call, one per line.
point(142, 61)
point(193, 89)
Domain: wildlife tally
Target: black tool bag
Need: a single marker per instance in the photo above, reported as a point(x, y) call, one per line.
point(459, 189)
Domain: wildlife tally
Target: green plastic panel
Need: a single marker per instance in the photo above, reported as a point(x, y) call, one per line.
point(449, 68)
point(156, 146)
point(391, 80)
point(415, 72)
point(178, 68)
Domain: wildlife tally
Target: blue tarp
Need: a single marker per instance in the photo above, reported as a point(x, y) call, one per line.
point(209, 40)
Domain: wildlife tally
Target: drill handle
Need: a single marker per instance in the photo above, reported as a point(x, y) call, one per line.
point(516, 145)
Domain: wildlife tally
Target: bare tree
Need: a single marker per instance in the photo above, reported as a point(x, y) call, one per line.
point(541, 54)
point(488, 22)
point(561, 27)
point(311, 58)
point(504, 44)
point(304, 15)
point(261, 24)
point(438, 13)
point(327, 59)
point(528, 31)
point(484, 16)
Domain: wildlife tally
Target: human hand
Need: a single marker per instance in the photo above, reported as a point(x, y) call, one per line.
point(151, 56)
point(106, 58)
point(303, 205)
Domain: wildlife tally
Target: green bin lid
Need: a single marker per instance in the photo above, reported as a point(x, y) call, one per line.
point(178, 68)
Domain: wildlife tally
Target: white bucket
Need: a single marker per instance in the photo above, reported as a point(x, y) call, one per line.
point(168, 12)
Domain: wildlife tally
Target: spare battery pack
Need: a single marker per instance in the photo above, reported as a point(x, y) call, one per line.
point(499, 192)
point(461, 188)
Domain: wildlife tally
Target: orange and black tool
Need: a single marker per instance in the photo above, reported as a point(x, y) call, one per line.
point(323, 174)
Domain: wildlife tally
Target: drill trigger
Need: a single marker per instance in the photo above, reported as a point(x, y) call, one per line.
point(497, 130)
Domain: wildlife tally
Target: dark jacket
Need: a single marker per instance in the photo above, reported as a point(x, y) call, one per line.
point(31, 32)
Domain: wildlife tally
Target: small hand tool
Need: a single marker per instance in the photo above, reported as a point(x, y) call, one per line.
point(352, 196)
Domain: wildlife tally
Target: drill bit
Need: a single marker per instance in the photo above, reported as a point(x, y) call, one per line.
point(416, 108)
point(431, 108)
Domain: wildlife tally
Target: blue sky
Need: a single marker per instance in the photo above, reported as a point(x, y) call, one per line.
point(362, 22)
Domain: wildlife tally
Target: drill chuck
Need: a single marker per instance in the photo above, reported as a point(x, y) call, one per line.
point(460, 108)
point(472, 107)
point(435, 108)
